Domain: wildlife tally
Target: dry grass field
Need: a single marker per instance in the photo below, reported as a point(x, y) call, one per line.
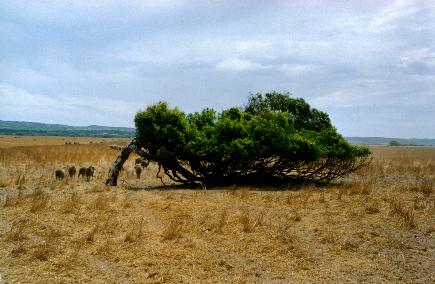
point(8, 141)
point(376, 226)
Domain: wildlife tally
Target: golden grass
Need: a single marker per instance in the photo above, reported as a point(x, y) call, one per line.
point(71, 204)
point(77, 231)
point(172, 231)
point(16, 232)
point(399, 209)
point(90, 235)
point(134, 231)
point(221, 221)
point(8, 141)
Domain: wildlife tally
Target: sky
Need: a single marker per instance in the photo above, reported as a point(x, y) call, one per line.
point(369, 64)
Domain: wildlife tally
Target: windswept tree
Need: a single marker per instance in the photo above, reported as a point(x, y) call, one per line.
point(273, 138)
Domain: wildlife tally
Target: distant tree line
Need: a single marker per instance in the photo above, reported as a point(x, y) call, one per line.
point(76, 133)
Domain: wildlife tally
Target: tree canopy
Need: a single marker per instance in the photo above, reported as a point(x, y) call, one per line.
point(273, 138)
point(394, 143)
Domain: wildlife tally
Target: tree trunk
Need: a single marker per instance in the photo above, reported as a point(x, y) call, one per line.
point(112, 178)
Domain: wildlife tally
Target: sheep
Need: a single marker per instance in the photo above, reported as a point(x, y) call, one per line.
point(142, 162)
point(116, 147)
point(138, 170)
point(87, 172)
point(71, 171)
point(59, 174)
point(82, 172)
point(90, 173)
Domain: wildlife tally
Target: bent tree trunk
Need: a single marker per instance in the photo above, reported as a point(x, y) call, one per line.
point(116, 167)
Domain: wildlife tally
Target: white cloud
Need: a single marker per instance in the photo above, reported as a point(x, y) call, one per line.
point(50, 6)
point(389, 17)
point(292, 69)
point(343, 99)
point(406, 91)
point(222, 53)
point(98, 60)
point(20, 104)
point(30, 76)
point(420, 57)
point(14, 97)
point(236, 64)
point(266, 48)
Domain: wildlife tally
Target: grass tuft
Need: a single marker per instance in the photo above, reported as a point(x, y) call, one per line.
point(102, 202)
point(249, 222)
point(9, 201)
point(42, 251)
point(90, 235)
point(39, 200)
point(16, 232)
point(70, 204)
point(406, 215)
point(221, 221)
point(134, 232)
point(172, 231)
point(372, 208)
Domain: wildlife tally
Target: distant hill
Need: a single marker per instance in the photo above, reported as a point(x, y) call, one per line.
point(386, 141)
point(44, 129)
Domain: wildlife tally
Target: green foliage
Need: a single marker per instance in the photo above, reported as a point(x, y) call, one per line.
point(394, 143)
point(273, 138)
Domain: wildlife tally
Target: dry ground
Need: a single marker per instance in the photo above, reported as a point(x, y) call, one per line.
point(377, 226)
point(7, 141)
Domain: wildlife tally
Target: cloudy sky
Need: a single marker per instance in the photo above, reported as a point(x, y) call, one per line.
point(369, 64)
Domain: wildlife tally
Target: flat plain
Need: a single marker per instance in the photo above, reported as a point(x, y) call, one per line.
point(378, 225)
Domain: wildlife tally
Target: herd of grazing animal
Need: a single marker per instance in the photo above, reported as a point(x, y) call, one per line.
point(71, 143)
point(88, 172)
point(116, 147)
point(84, 172)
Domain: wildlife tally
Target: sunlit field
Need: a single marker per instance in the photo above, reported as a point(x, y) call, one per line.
point(377, 225)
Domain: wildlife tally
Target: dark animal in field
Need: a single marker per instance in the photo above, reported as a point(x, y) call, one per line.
point(138, 170)
point(90, 173)
point(116, 147)
point(142, 162)
point(82, 172)
point(59, 174)
point(87, 173)
point(72, 171)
